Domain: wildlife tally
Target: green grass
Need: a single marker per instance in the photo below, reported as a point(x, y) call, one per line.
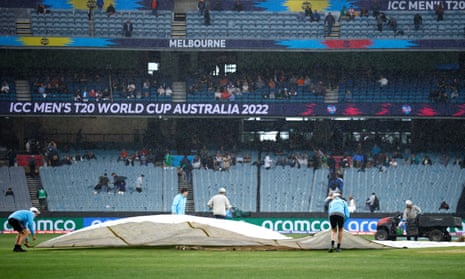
point(138, 263)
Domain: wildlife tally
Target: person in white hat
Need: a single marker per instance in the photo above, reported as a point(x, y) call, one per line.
point(411, 210)
point(22, 221)
point(409, 218)
point(219, 203)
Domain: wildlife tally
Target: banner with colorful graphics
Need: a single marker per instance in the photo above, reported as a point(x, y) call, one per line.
point(231, 44)
point(282, 225)
point(249, 5)
point(304, 110)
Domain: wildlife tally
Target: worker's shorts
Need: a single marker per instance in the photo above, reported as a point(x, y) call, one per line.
point(16, 224)
point(336, 221)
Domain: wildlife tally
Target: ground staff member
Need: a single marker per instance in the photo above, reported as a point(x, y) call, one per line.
point(219, 203)
point(179, 202)
point(22, 221)
point(338, 212)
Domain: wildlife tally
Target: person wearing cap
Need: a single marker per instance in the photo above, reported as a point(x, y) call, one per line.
point(22, 221)
point(409, 218)
point(179, 202)
point(219, 203)
point(338, 213)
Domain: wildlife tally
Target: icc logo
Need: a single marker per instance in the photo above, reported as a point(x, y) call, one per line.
point(331, 109)
point(406, 109)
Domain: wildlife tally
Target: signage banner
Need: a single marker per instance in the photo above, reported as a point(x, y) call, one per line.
point(232, 109)
point(282, 225)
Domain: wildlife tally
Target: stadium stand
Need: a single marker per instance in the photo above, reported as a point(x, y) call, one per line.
point(15, 178)
point(70, 188)
point(8, 22)
point(76, 23)
point(282, 189)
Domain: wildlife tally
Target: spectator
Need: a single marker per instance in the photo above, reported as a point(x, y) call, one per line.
point(102, 183)
point(417, 21)
point(120, 183)
point(219, 203)
point(110, 10)
point(143, 158)
point(32, 163)
point(427, 161)
point(196, 162)
point(439, 12)
point(343, 14)
point(352, 204)
point(100, 4)
point(89, 155)
point(9, 192)
point(392, 23)
point(206, 17)
point(41, 9)
point(444, 159)
point(168, 91)
point(338, 212)
point(307, 8)
point(380, 20)
point(161, 91)
point(363, 12)
point(123, 156)
point(376, 8)
point(5, 87)
point(178, 206)
point(335, 183)
point(139, 182)
point(372, 202)
point(315, 16)
point(237, 5)
point(383, 81)
point(168, 159)
point(267, 161)
point(154, 6)
point(329, 22)
point(186, 167)
point(444, 205)
point(201, 7)
point(351, 13)
point(128, 28)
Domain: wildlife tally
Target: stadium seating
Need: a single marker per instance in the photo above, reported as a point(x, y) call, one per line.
point(252, 25)
point(8, 22)
point(75, 23)
point(15, 178)
point(70, 188)
point(240, 183)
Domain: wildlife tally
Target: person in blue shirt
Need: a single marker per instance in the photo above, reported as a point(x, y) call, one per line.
point(22, 221)
point(338, 213)
point(179, 202)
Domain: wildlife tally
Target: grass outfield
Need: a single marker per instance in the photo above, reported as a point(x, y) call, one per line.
point(139, 263)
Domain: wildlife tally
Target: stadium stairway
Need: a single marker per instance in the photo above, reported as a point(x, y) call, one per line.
point(178, 26)
point(190, 197)
point(179, 92)
point(332, 95)
point(23, 90)
point(34, 184)
point(335, 32)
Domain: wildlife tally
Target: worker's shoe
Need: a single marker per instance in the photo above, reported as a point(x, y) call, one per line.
point(18, 249)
